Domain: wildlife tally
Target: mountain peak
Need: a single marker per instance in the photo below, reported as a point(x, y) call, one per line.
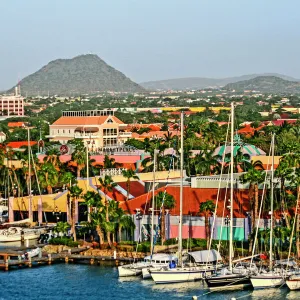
point(83, 74)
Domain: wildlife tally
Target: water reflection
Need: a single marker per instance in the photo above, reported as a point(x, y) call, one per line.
point(273, 293)
point(17, 244)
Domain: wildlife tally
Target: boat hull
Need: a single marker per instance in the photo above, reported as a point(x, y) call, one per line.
point(175, 275)
point(263, 282)
point(293, 284)
point(128, 272)
point(235, 281)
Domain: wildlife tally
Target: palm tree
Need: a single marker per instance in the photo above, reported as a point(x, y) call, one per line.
point(97, 212)
point(75, 192)
point(254, 177)
point(129, 174)
point(164, 201)
point(48, 176)
point(79, 155)
point(110, 163)
point(107, 184)
point(126, 222)
point(207, 208)
point(61, 227)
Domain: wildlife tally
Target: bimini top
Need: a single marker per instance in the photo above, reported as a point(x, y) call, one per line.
point(161, 257)
point(204, 256)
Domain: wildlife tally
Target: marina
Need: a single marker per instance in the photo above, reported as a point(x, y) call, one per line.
point(70, 281)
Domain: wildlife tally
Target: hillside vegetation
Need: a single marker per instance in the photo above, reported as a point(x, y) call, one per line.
point(79, 75)
point(266, 84)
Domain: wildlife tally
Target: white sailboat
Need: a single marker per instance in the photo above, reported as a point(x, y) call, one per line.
point(233, 277)
point(272, 278)
point(153, 261)
point(181, 273)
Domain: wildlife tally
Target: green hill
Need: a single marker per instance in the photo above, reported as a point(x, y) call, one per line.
point(265, 84)
point(202, 82)
point(84, 74)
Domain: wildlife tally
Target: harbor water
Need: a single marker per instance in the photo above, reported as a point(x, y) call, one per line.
point(70, 281)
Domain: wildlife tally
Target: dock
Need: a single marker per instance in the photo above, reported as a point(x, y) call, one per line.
point(12, 259)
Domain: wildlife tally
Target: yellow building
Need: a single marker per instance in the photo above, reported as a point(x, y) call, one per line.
point(97, 128)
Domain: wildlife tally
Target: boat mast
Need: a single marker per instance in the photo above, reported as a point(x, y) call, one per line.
point(153, 202)
point(231, 188)
point(181, 193)
point(272, 200)
point(29, 174)
point(87, 179)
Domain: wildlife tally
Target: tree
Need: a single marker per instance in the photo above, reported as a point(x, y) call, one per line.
point(164, 201)
point(107, 184)
point(62, 227)
point(48, 176)
point(129, 174)
point(207, 208)
point(110, 163)
point(79, 155)
point(75, 192)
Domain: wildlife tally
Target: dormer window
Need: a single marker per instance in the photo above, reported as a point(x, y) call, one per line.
point(110, 121)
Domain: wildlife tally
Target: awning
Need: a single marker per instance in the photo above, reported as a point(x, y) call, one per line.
point(87, 129)
point(204, 256)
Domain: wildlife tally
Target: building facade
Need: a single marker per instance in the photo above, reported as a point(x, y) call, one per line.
point(97, 128)
point(12, 105)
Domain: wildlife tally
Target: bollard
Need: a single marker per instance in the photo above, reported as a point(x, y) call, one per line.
point(69, 251)
point(40, 253)
point(6, 259)
point(92, 261)
point(29, 262)
point(27, 243)
point(115, 254)
point(49, 259)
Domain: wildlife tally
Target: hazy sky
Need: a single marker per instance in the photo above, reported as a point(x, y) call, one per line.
point(152, 39)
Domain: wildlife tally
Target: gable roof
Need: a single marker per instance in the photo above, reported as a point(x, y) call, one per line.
point(192, 198)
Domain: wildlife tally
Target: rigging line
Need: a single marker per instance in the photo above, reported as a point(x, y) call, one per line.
point(261, 204)
point(38, 183)
point(223, 214)
point(218, 193)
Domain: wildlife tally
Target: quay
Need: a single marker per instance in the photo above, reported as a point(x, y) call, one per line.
point(12, 259)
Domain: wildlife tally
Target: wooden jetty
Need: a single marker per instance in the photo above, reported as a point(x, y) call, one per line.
point(12, 259)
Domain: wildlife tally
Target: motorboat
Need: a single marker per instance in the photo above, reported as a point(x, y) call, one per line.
point(151, 261)
point(158, 261)
point(31, 253)
point(15, 234)
point(293, 282)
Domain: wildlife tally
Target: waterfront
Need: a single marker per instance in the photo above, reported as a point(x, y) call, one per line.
point(101, 282)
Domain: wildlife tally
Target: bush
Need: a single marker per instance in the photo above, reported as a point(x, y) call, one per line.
point(66, 241)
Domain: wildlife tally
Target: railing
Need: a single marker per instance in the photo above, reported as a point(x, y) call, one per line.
point(111, 172)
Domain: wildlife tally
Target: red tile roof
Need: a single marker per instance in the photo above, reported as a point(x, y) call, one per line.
point(16, 124)
point(16, 145)
point(96, 120)
point(193, 197)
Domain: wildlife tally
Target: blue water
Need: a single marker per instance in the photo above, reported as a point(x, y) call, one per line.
point(74, 282)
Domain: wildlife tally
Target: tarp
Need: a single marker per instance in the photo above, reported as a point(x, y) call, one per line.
point(204, 256)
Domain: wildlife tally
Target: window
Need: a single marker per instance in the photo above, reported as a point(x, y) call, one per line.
point(110, 121)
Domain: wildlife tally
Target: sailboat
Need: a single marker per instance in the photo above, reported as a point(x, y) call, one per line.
point(181, 272)
point(272, 278)
point(155, 260)
point(231, 277)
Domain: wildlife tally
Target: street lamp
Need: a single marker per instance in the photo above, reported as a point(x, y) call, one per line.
point(56, 213)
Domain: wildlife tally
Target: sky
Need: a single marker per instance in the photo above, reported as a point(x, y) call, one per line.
point(152, 39)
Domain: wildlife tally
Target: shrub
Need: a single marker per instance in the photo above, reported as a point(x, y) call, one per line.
point(66, 241)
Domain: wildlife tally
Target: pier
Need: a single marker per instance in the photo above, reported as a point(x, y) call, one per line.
point(12, 259)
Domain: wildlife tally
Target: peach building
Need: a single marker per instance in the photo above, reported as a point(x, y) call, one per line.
point(97, 128)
